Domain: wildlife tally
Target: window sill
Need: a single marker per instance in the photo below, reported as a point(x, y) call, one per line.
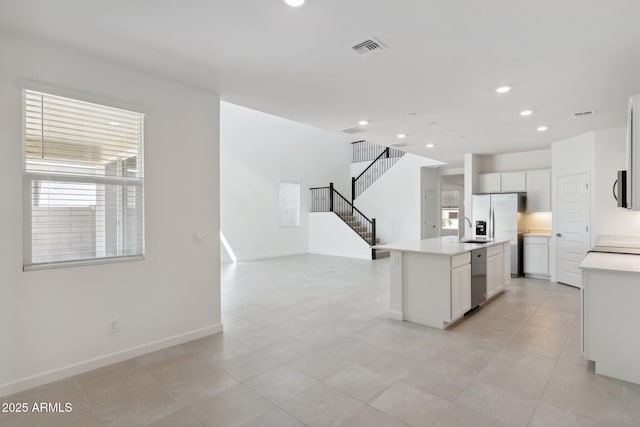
point(82, 263)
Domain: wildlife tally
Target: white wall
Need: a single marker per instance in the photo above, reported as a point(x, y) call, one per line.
point(53, 323)
point(330, 235)
point(538, 159)
point(608, 219)
point(257, 152)
point(394, 200)
point(470, 187)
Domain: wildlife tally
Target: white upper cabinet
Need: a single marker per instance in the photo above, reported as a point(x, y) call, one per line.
point(536, 183)
point(539, 190)
point(489, 183)
point(513, 182)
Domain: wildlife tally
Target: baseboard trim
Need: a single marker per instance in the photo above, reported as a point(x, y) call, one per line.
point(101, 361)
point(538, 276)
point(274, 255)
point(396, 315)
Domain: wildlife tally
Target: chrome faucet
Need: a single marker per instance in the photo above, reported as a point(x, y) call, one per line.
point(461, 226)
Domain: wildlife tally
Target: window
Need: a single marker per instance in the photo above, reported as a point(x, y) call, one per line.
point(450, 209)
point(289, 204)
point(83, 182)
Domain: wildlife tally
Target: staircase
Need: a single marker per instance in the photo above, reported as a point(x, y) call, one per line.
point(385, 158)
point(328, 199)
point(357, 226)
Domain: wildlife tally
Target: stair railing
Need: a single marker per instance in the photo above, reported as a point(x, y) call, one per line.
point(328, 199)
point(365, 151)
point(375, 170)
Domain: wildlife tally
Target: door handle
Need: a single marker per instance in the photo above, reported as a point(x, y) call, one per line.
point(558, 234)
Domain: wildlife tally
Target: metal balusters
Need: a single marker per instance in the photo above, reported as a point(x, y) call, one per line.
point(365, 151)
point(387, 158)
point(320, 199)
point(328, 199)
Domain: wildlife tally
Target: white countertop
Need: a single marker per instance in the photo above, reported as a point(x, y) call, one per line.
point(438, 246)
point(611, 262)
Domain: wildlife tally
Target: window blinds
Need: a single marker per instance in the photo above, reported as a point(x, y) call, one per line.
point(83, 185)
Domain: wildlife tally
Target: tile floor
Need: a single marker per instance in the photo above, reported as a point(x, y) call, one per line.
point(306, 342)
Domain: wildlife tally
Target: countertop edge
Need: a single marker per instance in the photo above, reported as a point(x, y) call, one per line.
point(618, 263)
point(396, 247)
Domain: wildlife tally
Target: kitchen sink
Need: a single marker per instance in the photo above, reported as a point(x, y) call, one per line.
point(475, 241)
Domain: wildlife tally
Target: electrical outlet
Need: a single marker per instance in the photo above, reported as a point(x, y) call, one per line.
point(114, 326)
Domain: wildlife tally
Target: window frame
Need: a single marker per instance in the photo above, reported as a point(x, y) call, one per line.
point(29, 177)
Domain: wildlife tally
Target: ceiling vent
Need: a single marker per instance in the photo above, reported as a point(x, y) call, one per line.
point(398, 145)
point(368, 47)
point(582, 114)
point(351, 131)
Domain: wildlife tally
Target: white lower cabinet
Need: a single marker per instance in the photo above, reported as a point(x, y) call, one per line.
point(536, 256)
point(460, 291)
point(495, 270)
point(507, 263)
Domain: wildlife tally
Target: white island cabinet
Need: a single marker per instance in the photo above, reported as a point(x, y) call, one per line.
point(431, 279)
point(609, 301)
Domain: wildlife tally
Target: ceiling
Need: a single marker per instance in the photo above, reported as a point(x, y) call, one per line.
point(443, 62)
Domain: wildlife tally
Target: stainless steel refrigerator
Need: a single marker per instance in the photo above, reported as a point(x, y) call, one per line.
point(502, 217)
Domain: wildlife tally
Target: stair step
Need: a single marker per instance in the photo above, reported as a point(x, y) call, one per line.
point(382, 253)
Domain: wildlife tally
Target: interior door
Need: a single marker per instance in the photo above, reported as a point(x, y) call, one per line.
point(431, 214)
point(572, 226)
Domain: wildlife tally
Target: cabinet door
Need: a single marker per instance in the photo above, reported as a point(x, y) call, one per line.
point(513, 181)
point(539, 190)
point(536, 259)
point(499, 273)
point(460, 291)
point(491, 276)
point(506, 259)
point(456, 284)
point(489, 183)
point(465, 288)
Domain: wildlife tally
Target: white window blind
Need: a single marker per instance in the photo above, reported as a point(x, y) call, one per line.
point(83, 181)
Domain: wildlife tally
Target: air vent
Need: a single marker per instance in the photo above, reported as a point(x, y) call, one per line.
point(368, 47)
point(398, 144)
point(582, 114)
point(351, 131)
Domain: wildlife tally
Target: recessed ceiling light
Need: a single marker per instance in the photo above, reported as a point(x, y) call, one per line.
point(401, 135)
point(294, 3)
point(543, 128)
point(526, 113)
point(503, 89)
point(114, 123)
point(430, 145)
point(363, 122)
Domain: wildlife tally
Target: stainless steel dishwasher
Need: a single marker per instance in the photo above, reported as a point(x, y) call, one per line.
point(478, 277)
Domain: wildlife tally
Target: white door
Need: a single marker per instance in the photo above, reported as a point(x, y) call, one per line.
point(431, 214)
point(572, 226)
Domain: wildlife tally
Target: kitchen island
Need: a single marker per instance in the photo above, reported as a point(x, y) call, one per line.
point(609, 301)
point(431, 278)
